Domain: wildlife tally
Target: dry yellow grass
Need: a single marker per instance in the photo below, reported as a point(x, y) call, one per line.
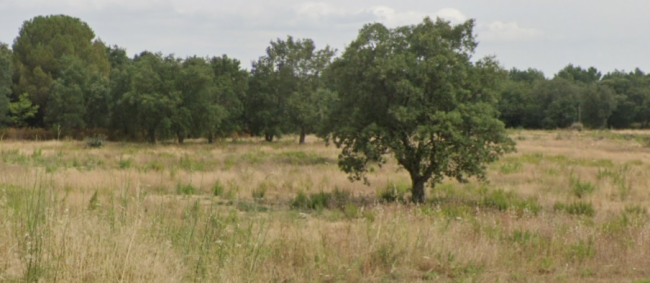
point(142, 213)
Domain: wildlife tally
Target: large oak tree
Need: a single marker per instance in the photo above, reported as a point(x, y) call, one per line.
point(415, 93)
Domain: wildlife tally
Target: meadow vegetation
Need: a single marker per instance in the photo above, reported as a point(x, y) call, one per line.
point(567, 207)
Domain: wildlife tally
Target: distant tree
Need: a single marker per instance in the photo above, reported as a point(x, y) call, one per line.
point(226, 113)
point(308, 65)
point(598, 104)
point(515, 104)
point(39, 49)
point(22, 110)
point(195, 83)
point(123, 119)
point(283, 88)
point(66, 101)
point(153, 96)
point(414, 92)
point(271, 85)
point(79, 99)
point(558, 99)
point(578, 74)
point(5, 82)
point(632, 98)
point(529, 76)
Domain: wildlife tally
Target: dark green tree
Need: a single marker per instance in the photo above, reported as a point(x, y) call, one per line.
point(271, 85)
point(515, 104)
point(39, 49)
point(226, 113)
point(308, 65)
point(79, 99)
point(195, 83)
point(626, 111)
point(66, 107)
point(5, 82)
point(123, 114)
point(414, 92)
point(578, 74)
point(153, 96)
point(598, 104)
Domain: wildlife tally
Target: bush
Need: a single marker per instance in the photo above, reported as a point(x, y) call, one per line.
point(577, 127)
point(95, 141)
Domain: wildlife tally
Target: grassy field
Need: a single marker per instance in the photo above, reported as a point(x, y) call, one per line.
point(567, 207)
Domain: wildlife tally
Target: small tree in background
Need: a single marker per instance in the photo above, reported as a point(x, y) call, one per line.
point(22, 110)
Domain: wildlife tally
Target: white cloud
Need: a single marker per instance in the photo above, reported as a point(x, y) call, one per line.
point(392, 17)
point(318, 10)
point(507, 31)
point(451, 14)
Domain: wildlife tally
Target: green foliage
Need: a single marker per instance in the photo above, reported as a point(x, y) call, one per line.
point(218, 189)
point(152, 94)
point(22, 110)
point(40, 47)
point(260, 191)
point(185, 189)
point(96, 141)
point(394, 192)
point(400, 93)
point(581, 188)
point(503, 201)
point(301, 158)
point(321, 200)
point(581, 251)
point(125, 163)
point(5, 81)
point(226, 103)
point(511, 167)
point(576, 208)
point(285, 89)
point(154, 165)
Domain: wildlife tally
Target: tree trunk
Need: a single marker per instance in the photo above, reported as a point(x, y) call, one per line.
point(302, 135)
point(417, 191)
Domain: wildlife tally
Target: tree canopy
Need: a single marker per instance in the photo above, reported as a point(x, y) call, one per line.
point(414, 92)
point(5, 81)
point(38, 54)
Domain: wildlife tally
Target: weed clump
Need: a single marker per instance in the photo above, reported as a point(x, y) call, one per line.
point(185, 189)
point(218, 189)
point(580, 188)
point(393, 193)
point(322, 200)
point(576, 208)
point(502, 201)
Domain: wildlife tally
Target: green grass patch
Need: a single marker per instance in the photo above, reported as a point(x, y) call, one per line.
point(300, 158)
point(576, 208)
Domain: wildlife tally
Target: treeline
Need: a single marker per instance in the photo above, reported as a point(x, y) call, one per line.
point(57, 76)
point(576, 95)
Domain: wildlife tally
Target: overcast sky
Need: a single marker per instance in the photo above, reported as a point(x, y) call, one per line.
point(542, 34)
